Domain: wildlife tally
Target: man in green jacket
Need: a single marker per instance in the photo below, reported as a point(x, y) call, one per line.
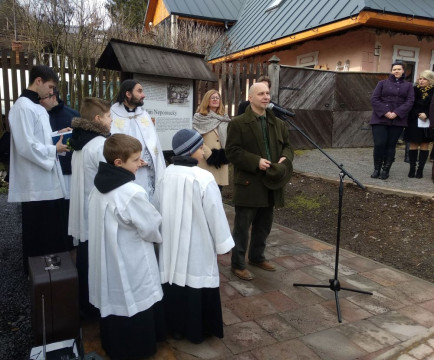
point(259, 149)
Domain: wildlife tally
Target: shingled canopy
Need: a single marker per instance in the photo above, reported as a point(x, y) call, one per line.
point(143, 59)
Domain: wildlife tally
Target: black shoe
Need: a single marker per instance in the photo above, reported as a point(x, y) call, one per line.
point(375, 174)
point(386, 169)
point(377, 168)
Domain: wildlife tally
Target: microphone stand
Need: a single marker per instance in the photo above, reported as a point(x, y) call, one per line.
point(334, 283)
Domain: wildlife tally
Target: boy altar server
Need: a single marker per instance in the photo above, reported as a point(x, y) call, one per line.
point(124, 282)
point(194, 231)
point(36, 179)
point(88, 137)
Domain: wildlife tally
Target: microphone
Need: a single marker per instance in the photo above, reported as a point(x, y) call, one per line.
point(272, 106)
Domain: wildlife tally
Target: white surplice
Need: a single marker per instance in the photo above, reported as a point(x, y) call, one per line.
point(35, 173)
point(139, 125)
point(84, 165)
point(123, 269)
point(194, 228)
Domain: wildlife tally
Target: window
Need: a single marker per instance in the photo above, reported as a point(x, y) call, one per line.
point(308, 60)
point(410, 55)
point(274, 4)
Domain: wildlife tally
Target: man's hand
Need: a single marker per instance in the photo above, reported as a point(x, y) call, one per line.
point(264, 164)
point(282, 159)
point(143, 163)
point(60, 146)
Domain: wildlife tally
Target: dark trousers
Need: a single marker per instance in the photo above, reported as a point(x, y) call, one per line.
point(87, 310)
point(45, 228)
point(385, 139)
point(261, 220)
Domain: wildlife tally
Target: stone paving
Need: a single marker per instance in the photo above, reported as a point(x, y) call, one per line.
point(269, 318)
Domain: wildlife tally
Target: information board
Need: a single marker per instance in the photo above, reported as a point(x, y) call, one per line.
point(169, 102)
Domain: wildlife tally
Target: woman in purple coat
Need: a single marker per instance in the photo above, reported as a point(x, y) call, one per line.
point(391, 101)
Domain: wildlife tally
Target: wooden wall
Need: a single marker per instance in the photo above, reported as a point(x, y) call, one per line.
point(332, 108)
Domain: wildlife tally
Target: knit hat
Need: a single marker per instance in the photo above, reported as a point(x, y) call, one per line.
point(186, 142)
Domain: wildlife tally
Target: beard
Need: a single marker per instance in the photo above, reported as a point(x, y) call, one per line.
point(135, 101)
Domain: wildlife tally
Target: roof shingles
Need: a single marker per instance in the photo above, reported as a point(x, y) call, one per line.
point(256, 26)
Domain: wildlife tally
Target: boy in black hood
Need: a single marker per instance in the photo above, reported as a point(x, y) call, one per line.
point(124, 280)
point(88, 136)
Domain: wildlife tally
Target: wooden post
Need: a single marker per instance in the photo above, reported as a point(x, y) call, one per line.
point(273, 74)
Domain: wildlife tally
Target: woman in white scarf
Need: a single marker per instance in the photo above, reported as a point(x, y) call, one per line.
point(211, 122)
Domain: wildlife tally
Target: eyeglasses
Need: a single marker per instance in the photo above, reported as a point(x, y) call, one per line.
point(215, 98)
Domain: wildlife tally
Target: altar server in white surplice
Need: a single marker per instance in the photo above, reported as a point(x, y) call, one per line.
point(194, 230)
point(129, 118)
point(36, 179)
point(124, 282)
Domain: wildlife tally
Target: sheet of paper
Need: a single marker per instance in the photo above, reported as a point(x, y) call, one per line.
point(422, 124)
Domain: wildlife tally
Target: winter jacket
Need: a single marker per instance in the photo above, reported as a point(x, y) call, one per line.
point(394, 95)
point(245, 147)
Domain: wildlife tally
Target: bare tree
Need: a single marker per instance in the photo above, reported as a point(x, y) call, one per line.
point(188, 36)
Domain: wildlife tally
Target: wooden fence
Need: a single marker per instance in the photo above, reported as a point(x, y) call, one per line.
point(233, 83)
point(79, 80)
point(76, 80)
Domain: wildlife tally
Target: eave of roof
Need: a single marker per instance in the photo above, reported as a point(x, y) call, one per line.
point(395, 22)
point(226, 18)
point(152, 60)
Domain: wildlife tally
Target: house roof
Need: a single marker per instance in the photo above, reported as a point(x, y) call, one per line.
point(292, 19)
point(143, 59)
point(224, 10)
point(209, 10)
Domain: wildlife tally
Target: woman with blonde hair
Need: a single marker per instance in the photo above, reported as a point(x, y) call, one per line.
point(211, 122)
point(416, 134)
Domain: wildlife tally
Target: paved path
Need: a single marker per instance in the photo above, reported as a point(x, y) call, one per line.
point(359, 163)
point(270, 319)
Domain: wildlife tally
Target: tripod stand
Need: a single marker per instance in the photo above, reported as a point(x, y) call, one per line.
point(334, 283)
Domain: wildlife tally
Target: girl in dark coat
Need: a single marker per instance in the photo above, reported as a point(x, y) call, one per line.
point(418, 137)
point(391, 101)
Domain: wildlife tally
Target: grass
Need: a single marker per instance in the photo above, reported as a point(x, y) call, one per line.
point(301, 203)
point(4, 187)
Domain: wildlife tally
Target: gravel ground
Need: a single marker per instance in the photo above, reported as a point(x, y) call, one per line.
point(15, 327)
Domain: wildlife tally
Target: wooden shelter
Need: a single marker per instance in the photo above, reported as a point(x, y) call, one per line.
point(169, 79)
